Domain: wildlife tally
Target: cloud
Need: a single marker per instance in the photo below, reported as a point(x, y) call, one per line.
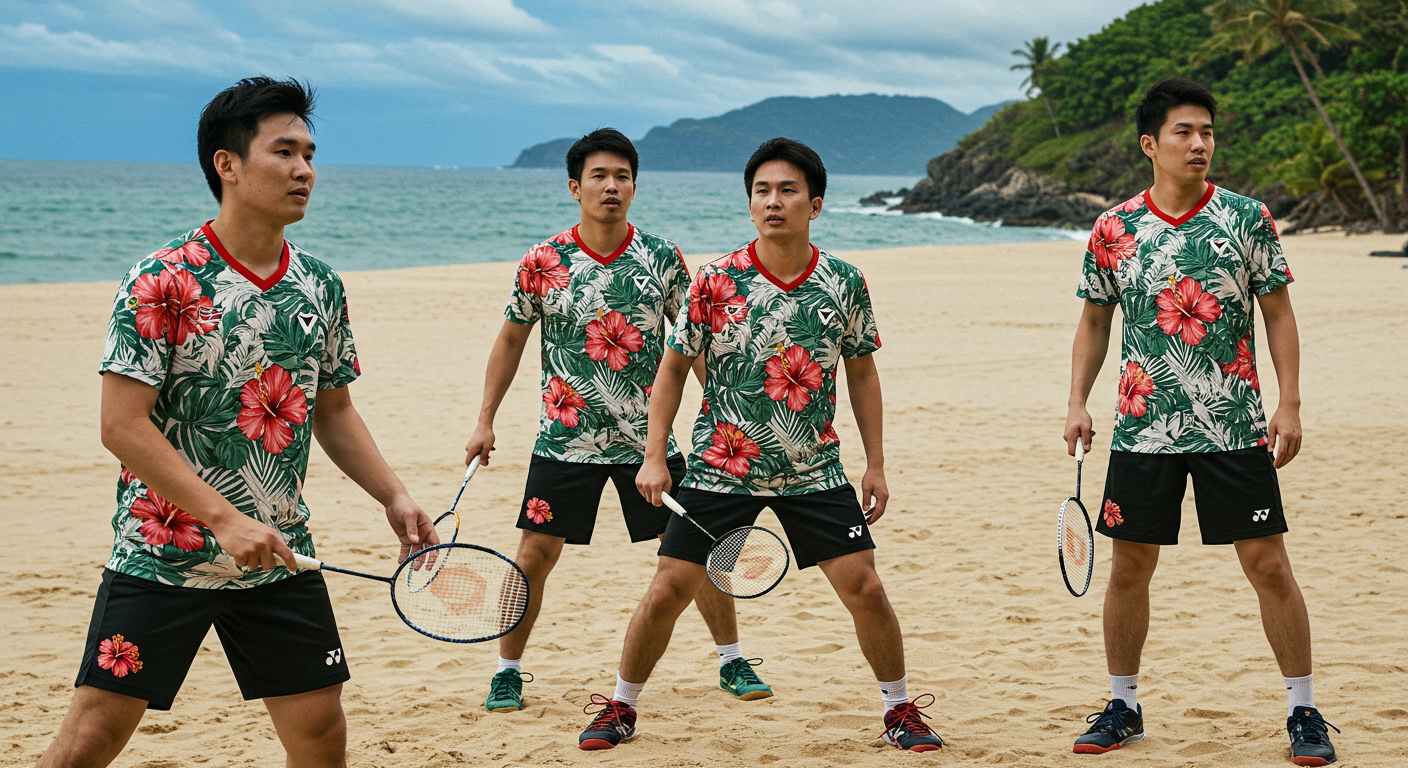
point(496, 16)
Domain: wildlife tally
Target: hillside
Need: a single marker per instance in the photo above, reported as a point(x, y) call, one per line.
point(870, 134)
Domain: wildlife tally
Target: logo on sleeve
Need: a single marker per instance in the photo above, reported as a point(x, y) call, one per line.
point(334, 657)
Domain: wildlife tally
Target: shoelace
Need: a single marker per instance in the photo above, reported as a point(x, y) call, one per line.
point(910, 714)
point(501, 684)
point(745, 672)
point(1311, 729)
point(1106, 719)
point(609, 716)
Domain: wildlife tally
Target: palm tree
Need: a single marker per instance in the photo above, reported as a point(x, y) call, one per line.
point(1256, 27)
point(1318, 168)
point(1040, 59)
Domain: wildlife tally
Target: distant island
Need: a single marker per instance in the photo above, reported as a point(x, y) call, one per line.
point(870, 134)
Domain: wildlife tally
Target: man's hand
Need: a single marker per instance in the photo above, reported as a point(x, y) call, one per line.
point(653, 479)
point(1283, 435)
point(874, 494)
point(412, 526)
point(481, 442)
point(253, 545)
point(1079, 426)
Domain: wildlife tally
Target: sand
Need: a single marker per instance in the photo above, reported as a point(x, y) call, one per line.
point(975, 371)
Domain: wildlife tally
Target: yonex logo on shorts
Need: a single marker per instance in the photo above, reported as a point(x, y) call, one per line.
point(1260, 514)
point(334, 657)
point(855, 531)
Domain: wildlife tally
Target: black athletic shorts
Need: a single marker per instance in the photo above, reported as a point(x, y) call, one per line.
point(280, 638)
point(562, 497)
point(1236, 493)
point(819, 525)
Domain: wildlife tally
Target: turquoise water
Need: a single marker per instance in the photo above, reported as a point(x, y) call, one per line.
point(65, 221)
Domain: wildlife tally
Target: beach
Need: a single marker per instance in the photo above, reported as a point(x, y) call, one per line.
point(975, 369)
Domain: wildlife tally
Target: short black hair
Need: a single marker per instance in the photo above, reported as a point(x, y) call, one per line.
point(1165, 95)
point(601, 140)
point(794, 152)
point(231, 119)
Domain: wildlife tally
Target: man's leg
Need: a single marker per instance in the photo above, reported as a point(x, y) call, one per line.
point(311, 727)
point(854, 578)
point(1132, 567)
point(675, 584)
point(537, 555)
point(95, 730)
point(1283, 614)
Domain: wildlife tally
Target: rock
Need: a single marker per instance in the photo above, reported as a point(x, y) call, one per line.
point(988, 187)
point(883, 198)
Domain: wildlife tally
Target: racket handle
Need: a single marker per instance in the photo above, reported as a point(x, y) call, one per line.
point(473, 465)
point(307, 563)
point(672, 504)
point(1080, 449)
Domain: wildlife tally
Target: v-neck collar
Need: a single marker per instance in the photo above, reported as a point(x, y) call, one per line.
point(1194, 211)
point(262, 284)
point(786, 287)
point(605, 260)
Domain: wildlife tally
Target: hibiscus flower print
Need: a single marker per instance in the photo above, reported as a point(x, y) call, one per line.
point(539, 511)
point(541, 271)
point(1110, 243)
point(1133, 204)
point(126, 478)
point(165, 523)
point(731, 449)
point(1184, 309)
point(828, 435)
point(269, 405)
point(1135, 385)
point(792, 376)
point(192, 252)
point(562, 402)
point(119, 656)
point(1244, 365)
point(714, 299)
point(739, 260)
point(1112, 514)
point(170, 306)
point(611, 338)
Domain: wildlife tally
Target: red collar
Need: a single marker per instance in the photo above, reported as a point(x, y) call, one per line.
point(259, 282)
point(786, 287)
point(1149, 200)
point(604, 260)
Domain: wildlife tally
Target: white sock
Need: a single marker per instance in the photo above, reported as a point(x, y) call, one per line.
point(628, 692)
point(1126, 687)
point(894, 694)
point(728, 653)
point(510, 664)
point(1302, 692)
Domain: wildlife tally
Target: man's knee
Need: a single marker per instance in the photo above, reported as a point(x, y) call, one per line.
point(676, 583)
point(1132, 564)
point(1266, 565)
point(538, 553)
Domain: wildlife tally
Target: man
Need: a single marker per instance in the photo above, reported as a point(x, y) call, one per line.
point(604, 292)
point(219, 348)
point(1183, 260)
point(772, 321)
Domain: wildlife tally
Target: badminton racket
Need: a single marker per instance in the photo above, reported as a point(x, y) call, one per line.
point(746, 562)
point(1075, 539)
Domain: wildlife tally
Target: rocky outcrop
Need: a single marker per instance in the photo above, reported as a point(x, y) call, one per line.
point(988, 187)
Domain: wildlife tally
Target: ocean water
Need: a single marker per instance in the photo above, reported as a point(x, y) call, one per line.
point(66, 221)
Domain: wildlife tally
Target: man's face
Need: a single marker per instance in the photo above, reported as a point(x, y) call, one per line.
point(779, 203)
point(275, 178)
point(606, 188)
point(1184, 149)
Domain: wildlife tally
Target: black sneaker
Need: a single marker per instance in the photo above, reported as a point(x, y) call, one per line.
point(1117, 726)
point(1310, 741)
point(905, 728)
point(614, 723)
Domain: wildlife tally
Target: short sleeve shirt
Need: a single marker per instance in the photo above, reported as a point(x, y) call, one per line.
point(771, 350)
point(604, 320)
point(238, 362)
point(1188, 380)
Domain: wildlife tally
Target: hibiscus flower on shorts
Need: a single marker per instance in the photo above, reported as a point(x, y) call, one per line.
point(562, 402)
point(119, 656)
point(165, 523)
point(539, 511)
point(170, 305)
point(714, 299)
point(731, 449)
point(1110, 242)
point(1135, 385)
point(1112, 514)
point(269, 404)
point(611, 338)
point(792, 376)
point(1184, 308)
point(541, 271)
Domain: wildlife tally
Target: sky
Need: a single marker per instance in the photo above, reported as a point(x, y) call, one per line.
point(470, 83)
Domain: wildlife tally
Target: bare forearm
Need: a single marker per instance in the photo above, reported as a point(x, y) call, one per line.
point(347, 441)
point(1283, 338)
point(1088, 351)
point(503, 363)
point(665, 396)
point(868, 406)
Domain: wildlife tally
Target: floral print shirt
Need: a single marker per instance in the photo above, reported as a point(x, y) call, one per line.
point(771, 351)
point(604, 320)
point(1188, 380)
point(238, 362)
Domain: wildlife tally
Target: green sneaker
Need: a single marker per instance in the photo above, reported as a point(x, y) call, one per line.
point(738, 678)
point(506, 691)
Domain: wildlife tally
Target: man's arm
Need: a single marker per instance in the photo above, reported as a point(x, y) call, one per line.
point(863, 383)
point(128, 432)
point(347, 441)
point(1087, 355)
point(1283, 431)
point(654, 477)
point(503, 364)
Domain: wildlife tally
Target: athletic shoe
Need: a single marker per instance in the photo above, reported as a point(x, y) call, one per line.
point(1117, 726)
point(1310, 742)
point(905, 728)
point(738, 678)
point(614, 723)
point(506, 691)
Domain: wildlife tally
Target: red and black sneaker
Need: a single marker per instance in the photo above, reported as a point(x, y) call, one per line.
point(905, 729)
point(614, 723)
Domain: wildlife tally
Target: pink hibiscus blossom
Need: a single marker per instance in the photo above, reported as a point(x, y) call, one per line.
point(739, 260)
point(828, 435)
point(731, 449)
point(562, 402)
point(126, 478)
point(1133, 204)
point(119, 656)
point(792, 376)
point(714, 299)
point(1135, 385)
point(1244, 365)
point(165, 523)
point(269, 404)
point(191, 252)
point(539, 511)
point(1184, 308)
point(170, 305)
point(1112, 514)
point(1110, 243)
point(541, 271)
point(611, 338)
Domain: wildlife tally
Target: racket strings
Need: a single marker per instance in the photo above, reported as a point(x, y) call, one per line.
point(747, 562)
point(461, 593)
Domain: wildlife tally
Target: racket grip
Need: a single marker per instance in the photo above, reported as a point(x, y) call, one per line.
point(307, 563)
point(1080, 449)
point(473, 465)
point(672, 504)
